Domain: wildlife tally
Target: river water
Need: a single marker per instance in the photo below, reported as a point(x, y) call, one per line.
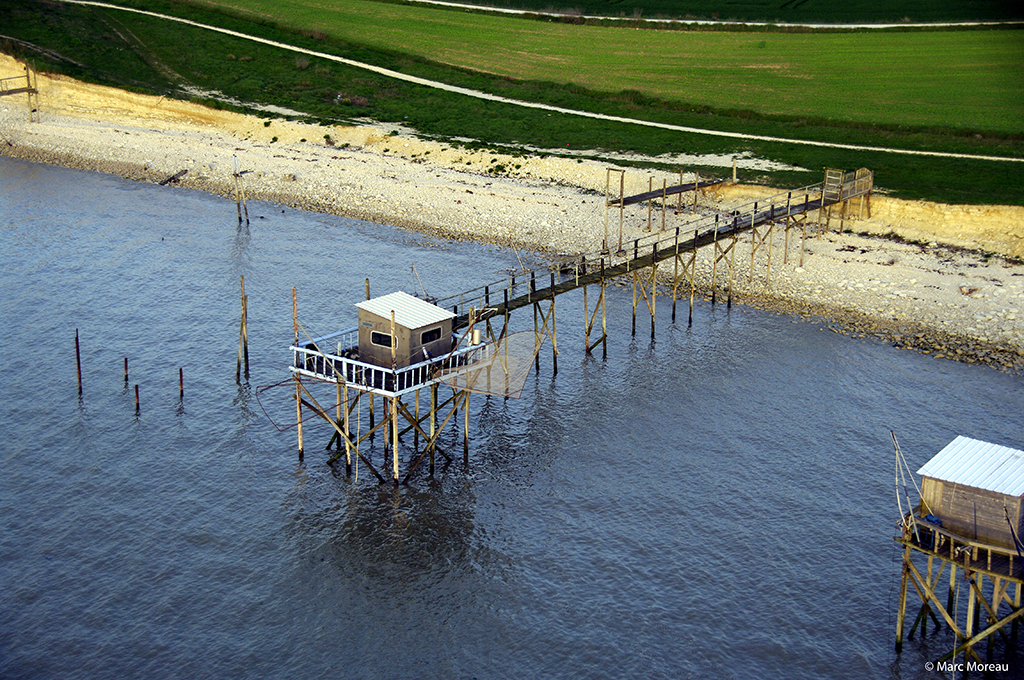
point(719, 503)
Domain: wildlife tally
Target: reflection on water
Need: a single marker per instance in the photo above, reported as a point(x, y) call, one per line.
point(717, 503)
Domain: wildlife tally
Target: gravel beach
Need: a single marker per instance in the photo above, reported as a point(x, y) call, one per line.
point(946, 280)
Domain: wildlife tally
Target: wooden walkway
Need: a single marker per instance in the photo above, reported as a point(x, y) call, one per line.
point(530, 286)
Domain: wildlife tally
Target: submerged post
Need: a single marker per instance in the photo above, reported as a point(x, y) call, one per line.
point(78, 361)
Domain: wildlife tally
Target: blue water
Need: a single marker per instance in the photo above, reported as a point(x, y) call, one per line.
point(718, 503)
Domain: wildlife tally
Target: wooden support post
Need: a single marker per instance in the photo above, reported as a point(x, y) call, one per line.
point(240, 195)
point(635, 275)
point(298, 412)
point(416, 432)
point(586, 326)
point(78, 362)
point(696, 183)
point(136, 400)
point(622, 206)
point(664, 197)
point(714, 265)
point(734, 169)
point(394, 344)
point(607, 203)
point(465, 428)
point(243, 335)
point(554, 342)
point(348, 433)
point(433, 424)
point(367, 288)
point(902, 606)
point(1016, 606)
point(126, 371)
point(679, 196)
point(371, 415)
point(394, 435)
point(732, 269)
point(693, 275)
point(654, 285)
point(181, 384)
point(675, 276)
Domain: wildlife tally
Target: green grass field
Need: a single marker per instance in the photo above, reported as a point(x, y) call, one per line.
point(766, 71)
point(793, 11)
point(951, 79)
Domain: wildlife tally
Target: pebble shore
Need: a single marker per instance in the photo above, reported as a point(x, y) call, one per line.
point(955, 292)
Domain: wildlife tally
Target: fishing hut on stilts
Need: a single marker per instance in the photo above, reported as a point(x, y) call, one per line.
point(402, 348)
point(406, 347)
point(968, 524)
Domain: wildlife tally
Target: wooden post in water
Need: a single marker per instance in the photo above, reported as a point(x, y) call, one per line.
point(136, 399)
point(675, 275)
point(902, 607)
point(654, 285)
point(243, 335)
point(78, 362)
point(394, 434)
point(367, 288)
point(465, 428)
point(348, 434)
point(126, 371)
point(298, 385)
point(240, 195)
point(181, 384)
point(433, 424)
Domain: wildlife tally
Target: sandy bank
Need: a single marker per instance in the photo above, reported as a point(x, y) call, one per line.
point(935, 296)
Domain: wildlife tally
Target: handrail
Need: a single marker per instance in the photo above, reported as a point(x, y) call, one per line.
point(315, 363)
point(745, 216)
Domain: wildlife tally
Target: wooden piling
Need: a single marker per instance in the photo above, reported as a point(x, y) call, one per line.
point(243, 335)
point(465, 428)
point(181, 384)
point(240, 195)
point(126, 371)
point(654, 285)
point(78, 362)
point(394, 434)
point(348, 432)
point(902, 607)
point(136, 399)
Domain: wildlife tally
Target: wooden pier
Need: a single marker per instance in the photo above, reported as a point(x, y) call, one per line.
point(486, 356)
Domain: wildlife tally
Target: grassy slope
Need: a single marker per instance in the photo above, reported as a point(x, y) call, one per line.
point(961, 79)
point(251, 72)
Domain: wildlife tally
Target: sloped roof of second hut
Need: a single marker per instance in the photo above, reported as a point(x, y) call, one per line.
point(979, 464)
point(410, 311)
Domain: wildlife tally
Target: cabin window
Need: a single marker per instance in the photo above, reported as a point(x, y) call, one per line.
point(433, 335)
point(380, 339)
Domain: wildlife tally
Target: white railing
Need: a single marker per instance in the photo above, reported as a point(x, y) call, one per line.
point(343, 367)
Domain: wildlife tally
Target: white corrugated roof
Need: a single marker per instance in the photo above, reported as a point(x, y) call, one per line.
point(410, 311)
point(979, 464)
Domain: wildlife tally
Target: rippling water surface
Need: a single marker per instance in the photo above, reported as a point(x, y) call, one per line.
point(719, 503)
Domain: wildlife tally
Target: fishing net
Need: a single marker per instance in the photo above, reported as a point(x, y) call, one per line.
point(499, 369)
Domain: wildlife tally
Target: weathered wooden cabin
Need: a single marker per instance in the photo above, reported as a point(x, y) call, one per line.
point(973, 487)
point(399, 329)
